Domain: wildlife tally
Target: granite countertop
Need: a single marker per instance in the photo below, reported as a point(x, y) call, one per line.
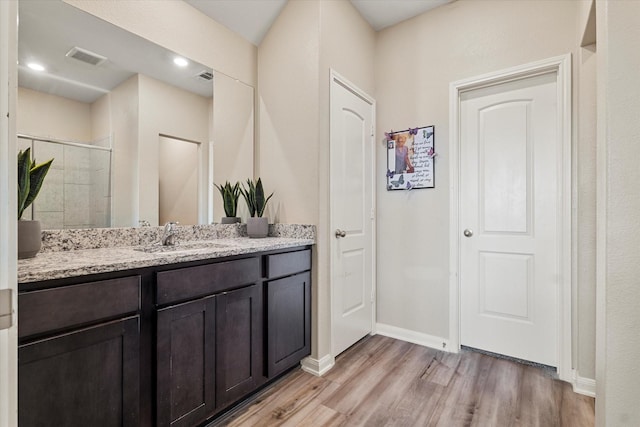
point(63, 264)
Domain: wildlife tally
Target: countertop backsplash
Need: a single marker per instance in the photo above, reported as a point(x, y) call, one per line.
point(97, 238)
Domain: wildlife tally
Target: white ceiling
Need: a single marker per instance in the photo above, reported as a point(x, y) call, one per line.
point(385, 13)
point(249, 18)
point(253, 18)
point(48, 29)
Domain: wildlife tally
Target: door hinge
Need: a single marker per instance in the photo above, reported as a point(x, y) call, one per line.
point(6, 309)
point(373, 213)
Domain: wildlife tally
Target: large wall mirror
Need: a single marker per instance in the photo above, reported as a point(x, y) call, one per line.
point(139, 133)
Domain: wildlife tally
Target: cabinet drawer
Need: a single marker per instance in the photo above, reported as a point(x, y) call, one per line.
point(59, 308)
point(288, 263)
point(192, 282)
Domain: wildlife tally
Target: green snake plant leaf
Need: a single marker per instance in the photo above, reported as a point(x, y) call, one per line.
point(30, 179)
point(230, 195)
point(38, 173)
point(254, 196)
point(259, 197)
point(249, 196)
point(24, 166)
point(264, 205)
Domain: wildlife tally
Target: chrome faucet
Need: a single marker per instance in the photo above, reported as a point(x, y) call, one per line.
point(169, 235)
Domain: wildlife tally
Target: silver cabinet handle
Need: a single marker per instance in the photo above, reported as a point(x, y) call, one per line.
point(340, 233)
point(467, 233)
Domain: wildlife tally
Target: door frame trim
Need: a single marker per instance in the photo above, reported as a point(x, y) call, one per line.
point(561, 65)
point(335, 77)
point(8, 209)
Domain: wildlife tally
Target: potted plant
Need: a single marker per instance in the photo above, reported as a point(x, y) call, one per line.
point(30, 178)
point(257, 226)
point(230, 195)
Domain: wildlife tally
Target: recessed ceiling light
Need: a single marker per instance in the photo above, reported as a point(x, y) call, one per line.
point(180, 62)
point(35, 66)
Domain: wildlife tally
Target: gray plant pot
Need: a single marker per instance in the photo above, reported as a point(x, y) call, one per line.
point(29, 238)
point(229, 220)
point(257, 227)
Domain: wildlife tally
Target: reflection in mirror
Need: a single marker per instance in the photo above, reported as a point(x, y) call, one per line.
point(119, 98)
point(233, 135)
point(76, 192)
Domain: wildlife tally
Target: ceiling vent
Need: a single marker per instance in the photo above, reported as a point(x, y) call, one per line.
point(205, 75)
point(86, 56)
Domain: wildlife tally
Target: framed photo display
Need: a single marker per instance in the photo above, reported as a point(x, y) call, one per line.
point(410, 155)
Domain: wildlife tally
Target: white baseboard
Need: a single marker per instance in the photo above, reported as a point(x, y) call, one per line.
point(582, 385)
point(318, 367)
point(419, 338)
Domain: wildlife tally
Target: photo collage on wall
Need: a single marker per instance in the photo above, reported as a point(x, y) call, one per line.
point(410, 159)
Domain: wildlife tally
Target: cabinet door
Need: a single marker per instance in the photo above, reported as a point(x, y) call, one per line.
point(239, 354)
point(185, 363)
point(288, 322)
point(85, 378)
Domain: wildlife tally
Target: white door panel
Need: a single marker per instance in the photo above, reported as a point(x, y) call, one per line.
point(351, 203)
point(509, 187)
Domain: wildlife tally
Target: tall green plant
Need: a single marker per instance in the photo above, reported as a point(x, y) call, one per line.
point(254, 196)
point(30, 179)
point(230, 195)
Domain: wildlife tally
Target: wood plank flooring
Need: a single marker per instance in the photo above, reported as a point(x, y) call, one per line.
point(385, 382)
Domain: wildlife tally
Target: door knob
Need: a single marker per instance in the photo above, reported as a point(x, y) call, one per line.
point(340, 233)
point(467, 233)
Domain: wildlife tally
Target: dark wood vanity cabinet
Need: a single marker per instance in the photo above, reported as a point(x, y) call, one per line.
point(75, 367)
point(239, 338)
point(288, 322)
point(166, 346)
point(185, 363)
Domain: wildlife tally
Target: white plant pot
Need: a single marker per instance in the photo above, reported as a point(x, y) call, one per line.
point(29, 238)
point(257, 227)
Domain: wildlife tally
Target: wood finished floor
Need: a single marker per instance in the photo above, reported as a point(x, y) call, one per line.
point(385, 382)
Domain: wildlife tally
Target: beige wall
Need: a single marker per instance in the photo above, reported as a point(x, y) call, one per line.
point(233, 131)
point(179, 27)
point(50, 116)
point(288, 81)
point(415, 62)
point(618, 322)
point(307, 39)
point(101, 121)
point(124, 103)
point(287, 157)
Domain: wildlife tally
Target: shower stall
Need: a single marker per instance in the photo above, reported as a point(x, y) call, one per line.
point(77, 190)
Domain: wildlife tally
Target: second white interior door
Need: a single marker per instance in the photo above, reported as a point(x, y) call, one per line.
point(509, 174)
point(351, 216)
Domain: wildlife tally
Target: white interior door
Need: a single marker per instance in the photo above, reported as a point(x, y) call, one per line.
point(352, 181)
point(510, 167)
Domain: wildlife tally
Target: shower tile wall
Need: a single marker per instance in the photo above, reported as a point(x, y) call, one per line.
point(49, 207)
point(76, 192)
point(101, 188)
